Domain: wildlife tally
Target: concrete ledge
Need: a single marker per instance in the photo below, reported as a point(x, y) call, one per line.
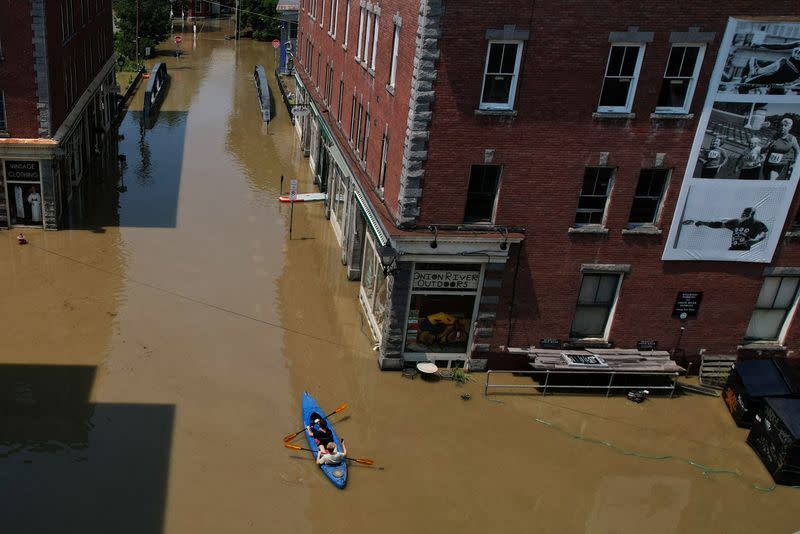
point(605, 268)
point(672, 116)
point(595, 343)
point(507, 113)
point(781, 271)
point(589, 229)
point(645, 229)
point(600, 115)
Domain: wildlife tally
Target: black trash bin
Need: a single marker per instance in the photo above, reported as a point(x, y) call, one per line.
point(775, 438)
point(749, 382)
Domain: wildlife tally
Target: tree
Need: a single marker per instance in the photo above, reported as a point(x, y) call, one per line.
point(262, 17)
point(155, 24)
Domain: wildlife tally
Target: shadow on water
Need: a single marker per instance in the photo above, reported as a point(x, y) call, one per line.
point(69, 465)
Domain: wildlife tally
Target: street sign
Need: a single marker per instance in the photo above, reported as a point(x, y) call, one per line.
point(178, 39)
point(293, 190)
point(275, 43)
point(300, 111)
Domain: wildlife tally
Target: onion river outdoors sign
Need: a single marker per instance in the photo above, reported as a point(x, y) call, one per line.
point(446, 280)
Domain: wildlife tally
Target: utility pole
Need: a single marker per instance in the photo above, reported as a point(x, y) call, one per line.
point(237, 20)
point(137, 33)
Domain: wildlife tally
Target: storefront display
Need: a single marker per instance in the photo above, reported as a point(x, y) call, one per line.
point(441, 308)
point(24, 192)
point(373, 287)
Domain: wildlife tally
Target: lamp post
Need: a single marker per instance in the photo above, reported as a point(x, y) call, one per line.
point(388, 256)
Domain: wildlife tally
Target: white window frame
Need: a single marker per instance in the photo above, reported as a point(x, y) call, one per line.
point(346, 25)
point(611, 310)
point(787, 319)
point(376, 18)
point(368, 34)
point(322, 14)
point(360, 32)
point(634, 79)
point(692, 83)
point(330, 21)
point(395, 52)
point(512, 92)
point(3, 115)
point(384, 159)
point(335, 16)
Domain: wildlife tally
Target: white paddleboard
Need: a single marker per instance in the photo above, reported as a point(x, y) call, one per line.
point(305, 197)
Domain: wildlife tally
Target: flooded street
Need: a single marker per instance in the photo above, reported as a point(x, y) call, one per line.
point(162, 347)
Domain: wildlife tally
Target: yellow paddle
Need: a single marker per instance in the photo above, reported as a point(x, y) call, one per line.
point(365, 461)
point(290, 437)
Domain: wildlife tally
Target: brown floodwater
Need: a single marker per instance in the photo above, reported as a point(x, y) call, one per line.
point(153, 357)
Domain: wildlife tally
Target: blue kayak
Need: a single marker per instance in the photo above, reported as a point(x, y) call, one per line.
point(336, 473)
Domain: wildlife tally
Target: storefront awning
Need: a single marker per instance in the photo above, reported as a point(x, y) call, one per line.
point(372, 220)
point(322, 126)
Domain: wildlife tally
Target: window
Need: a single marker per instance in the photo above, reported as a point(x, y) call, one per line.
point(365, 55)
point(365, 140)
point(341, 98)
point(374, 42)
point(483, 182)
point(647, 200)
point(594, 195)
point(352, 118)
point(319, 66)
point(332, 19)
point(595, 302)
point(680, 78)
point(322, 15)
point(622, 73)
point(360, 32)
point(3, 125)
point(395, 50)
point(346, 24)
point(777, 297)
point(500, 74)
point(359, 117)
point(384, 158)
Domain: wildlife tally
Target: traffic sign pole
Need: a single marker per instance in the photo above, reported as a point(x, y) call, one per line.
point(292, 198)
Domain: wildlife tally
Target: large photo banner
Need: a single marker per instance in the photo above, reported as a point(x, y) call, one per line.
point(742, 172)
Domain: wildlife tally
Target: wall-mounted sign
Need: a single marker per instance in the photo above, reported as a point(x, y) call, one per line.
point(22, 171)
point(646, 344)
point(687, 303)
point(446, 280)
point(550, 343)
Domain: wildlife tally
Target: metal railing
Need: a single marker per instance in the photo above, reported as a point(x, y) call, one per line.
point(608, 387)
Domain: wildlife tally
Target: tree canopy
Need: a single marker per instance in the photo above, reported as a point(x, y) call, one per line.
point(155, 24)
point(262, 17)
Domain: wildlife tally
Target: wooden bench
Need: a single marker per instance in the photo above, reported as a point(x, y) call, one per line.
point(715, 368)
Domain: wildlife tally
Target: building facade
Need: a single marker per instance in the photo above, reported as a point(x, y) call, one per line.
point(503, 175)
point(57, 100)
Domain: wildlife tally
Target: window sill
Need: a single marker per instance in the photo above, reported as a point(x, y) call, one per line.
point(792, 233)
point(601, 115)
point(588, 229)
point(344, 46)
point(496, 113)
point(762, 345)
point(645, 229)
point(4, 133)
point(371, 72)
point(390, 89)
point(671, 116)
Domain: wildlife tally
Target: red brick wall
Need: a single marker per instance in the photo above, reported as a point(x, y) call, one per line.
point(544, 151)
point(16, 68)
point(95, 27)
point(385, 108)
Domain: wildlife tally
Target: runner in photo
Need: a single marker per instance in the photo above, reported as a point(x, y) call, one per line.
point(779, 160)
point(746, 230)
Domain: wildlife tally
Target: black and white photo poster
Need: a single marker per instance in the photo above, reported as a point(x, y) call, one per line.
point(743, 171)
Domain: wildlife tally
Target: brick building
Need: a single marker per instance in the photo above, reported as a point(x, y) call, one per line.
point(57, 99)
point(507, 174)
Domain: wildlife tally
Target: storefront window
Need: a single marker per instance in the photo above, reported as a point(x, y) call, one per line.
point(373, 286)
point(24, 192)
point(442, 307)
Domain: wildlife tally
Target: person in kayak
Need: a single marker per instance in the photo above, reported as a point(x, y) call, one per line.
point(321, 433)
point(331, 456)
